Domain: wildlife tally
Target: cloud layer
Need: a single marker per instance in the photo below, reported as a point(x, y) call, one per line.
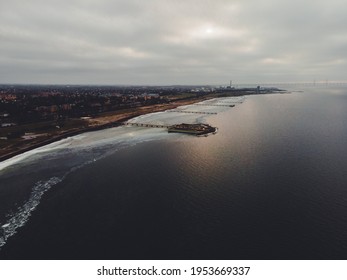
point(172, 41)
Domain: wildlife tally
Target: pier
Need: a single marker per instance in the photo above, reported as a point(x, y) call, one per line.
point(194, 129)
point(146, 125)
point(192, 112)
point(239, 101)
point(221, 105)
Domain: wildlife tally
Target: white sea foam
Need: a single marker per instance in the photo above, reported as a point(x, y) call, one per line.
point(21, 216)
point(47, 148)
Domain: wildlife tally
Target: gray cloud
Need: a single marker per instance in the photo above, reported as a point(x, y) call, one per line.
point(171, 42)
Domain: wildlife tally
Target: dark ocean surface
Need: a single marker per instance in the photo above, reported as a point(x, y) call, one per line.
point(271, 184)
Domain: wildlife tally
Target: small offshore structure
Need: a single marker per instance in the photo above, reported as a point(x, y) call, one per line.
point(194, 129)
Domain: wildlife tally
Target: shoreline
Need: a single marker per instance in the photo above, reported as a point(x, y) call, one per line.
point(117, 118)
point(100, 123)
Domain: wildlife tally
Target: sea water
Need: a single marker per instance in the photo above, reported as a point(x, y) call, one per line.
point(270, 184)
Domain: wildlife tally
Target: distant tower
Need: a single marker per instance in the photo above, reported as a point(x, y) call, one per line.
point(231, 82)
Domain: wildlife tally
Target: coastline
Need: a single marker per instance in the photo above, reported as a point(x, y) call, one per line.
point(113, 119)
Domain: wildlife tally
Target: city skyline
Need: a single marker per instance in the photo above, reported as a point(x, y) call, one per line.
point(172, 42)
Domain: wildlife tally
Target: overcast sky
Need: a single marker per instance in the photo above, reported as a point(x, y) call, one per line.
point(158, 42)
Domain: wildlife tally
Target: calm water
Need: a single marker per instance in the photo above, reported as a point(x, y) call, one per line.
point(271, 184)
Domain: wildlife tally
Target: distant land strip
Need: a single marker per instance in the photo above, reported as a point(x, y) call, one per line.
point(113, 119)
